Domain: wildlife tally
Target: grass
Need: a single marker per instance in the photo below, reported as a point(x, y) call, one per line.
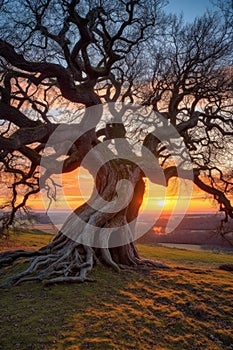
point(187, 307)
point(30, 240)
point(185, 257)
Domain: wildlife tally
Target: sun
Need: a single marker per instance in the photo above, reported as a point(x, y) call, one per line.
point(161, 203)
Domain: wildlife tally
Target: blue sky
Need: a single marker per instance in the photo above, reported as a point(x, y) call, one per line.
point(189, 8)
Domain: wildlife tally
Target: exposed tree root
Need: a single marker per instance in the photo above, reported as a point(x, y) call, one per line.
point(56, 262)
point(7, 258)
point(65, 261)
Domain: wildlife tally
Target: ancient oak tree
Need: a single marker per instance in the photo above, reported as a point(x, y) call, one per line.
point(168, 89)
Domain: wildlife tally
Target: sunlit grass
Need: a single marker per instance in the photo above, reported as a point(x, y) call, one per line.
point(30, 240)
point(187, 307)
point(182, 256)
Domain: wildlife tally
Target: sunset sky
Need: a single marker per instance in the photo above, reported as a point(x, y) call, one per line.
point(77, 188)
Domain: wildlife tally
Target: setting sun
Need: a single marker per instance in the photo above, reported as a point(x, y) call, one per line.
point(161, 203)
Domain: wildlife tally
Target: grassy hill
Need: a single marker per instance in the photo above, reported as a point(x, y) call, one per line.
point(188, 307)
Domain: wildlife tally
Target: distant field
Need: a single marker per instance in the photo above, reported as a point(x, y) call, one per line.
point(188, 307)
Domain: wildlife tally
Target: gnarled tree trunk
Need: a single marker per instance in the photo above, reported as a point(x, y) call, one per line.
point(100, 230)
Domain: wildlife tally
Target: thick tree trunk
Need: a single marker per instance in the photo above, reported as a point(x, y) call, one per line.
point(101, 230)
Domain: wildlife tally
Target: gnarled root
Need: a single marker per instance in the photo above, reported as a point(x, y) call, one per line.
point(66, 261)
point(56, 263)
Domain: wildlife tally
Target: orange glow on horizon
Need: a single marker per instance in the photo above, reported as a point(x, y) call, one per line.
point(77, 188)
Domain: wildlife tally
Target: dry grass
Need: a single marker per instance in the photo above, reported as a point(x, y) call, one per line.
point(188, 307)
point(31, 240)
